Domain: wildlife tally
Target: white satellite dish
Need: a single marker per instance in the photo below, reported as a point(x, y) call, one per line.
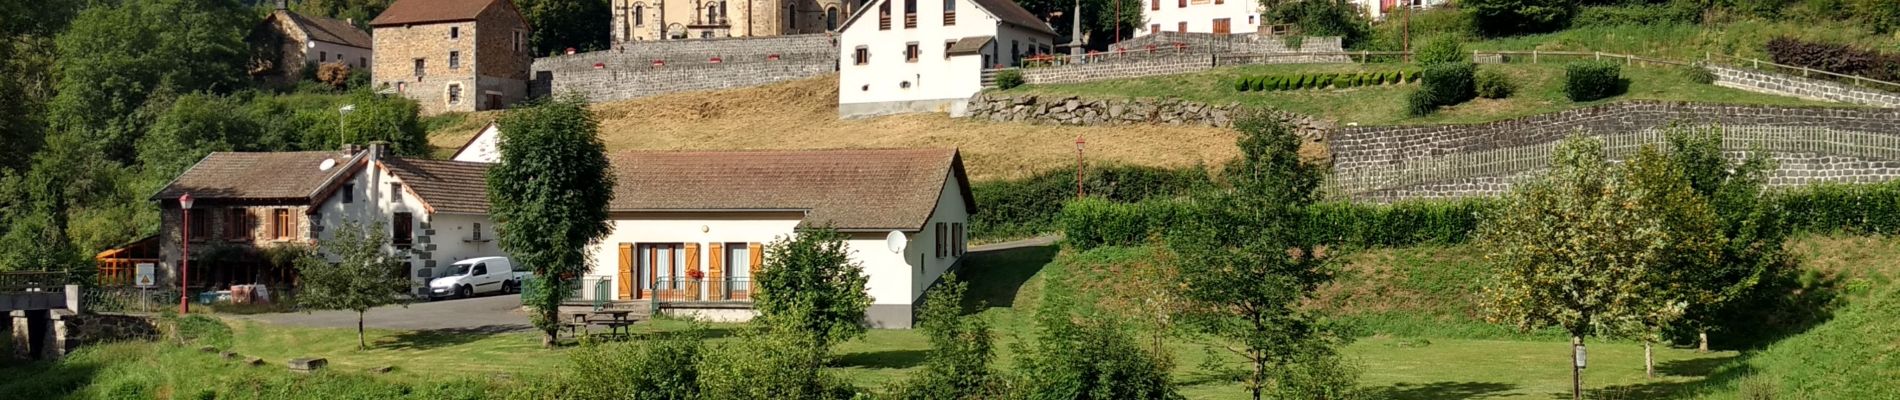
point(327, 164)
point(895, 241)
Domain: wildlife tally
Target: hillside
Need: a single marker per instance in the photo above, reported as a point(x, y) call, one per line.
point(803, 114)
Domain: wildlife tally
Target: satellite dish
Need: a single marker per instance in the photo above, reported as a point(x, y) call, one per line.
point(327, 164)
point(895, 241)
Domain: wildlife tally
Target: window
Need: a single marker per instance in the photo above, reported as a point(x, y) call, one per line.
point(639, 15)
point(884, 16)
point(949, 12)
point(480, 270)
point(519, 48)
point(862, 56)
point(722, 13)
point(1154, 28)
point(402, 229)
point(910, 14)
point(791, 17)
point(235, 224)
point(349, 193)
point(1222, 26)
point(943, 234)
point(1182, 27)
point(283, 225)
point(1154, 5)
point(478, 231)
point(712, 13)
point(661, 265)
point(395, 188)
point(737, 271)
point(947, 44)
point(455, 32)
point(1181, 4)
point(200, 227)
point(455, 59)
point(420, 64)
point(1015, 52)
point(1220, 1)
point(362, 62)
point(956, 239)
point(911, 52)
point(831, 18)
point(322, 56)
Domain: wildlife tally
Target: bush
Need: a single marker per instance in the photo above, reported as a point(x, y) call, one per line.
point(1420, 103)
point(1081, 353)
point(1243, 84)
point(1494, 85)
point(1592, 80)
point(666, 367)
point(1842, 208)
point(1677, 12)
point(769, 366)
point(1260, 84)
point(1509, 17)
point(1090, 223)
point(1441, 49)
point(1836, 58)
point(1403, 223)
point(1699, 74)
point(1030, 206)
point(1009, 79)
point(1450, 83)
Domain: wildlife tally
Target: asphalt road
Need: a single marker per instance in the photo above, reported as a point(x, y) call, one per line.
point(491, 313)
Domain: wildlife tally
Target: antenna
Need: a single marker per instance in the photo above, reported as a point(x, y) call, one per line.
point(327, 164)
point(895, 241)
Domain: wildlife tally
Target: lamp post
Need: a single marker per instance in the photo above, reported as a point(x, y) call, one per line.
point(1078, 165)
point(184, 280)
point(340, 113)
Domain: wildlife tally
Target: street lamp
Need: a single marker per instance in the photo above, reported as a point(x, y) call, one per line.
point(184, 280)
point(1078, 165)
point(341, 112)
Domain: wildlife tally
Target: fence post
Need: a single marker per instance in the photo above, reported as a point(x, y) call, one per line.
point(1533, 56)
point(1599, 55)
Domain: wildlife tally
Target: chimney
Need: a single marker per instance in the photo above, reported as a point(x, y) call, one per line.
point(283, 5)
point(378, 150)
point(351, 21)
point(350, 149)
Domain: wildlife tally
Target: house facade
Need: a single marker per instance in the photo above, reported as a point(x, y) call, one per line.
point(435, 212)
point(286, 43)
point(485, 147)
point(903, 56)
point(1200, 16)
point(691, 229)
point(641, 20)
point(453, 55)
point(1378, 9)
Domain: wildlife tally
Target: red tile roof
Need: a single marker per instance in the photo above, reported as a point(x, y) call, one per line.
point(256, 176)
point(430, 11)
point(847, 189)
point(453, 187)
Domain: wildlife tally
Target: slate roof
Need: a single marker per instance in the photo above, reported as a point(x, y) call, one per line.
point(256, 176)
point(969, 45)
point(453, 187)
point(430, 11)
point(331, 30)
point(1014, 14)
point(858, 189)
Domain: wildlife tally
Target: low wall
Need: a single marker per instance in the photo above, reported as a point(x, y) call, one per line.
point(1812, 144)
point(653, 68)
point(1234, 43)
point(1119, 69)
point(1072, 110)
point(1813, 89)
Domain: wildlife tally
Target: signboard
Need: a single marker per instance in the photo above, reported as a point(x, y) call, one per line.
point(146, 277)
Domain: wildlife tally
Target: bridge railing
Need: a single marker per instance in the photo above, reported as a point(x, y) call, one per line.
point(34, 281)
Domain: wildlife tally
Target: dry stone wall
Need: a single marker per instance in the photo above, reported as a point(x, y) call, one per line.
point(1789, 85)
point(1812, 144)
point(1118, 69)
point(1072, 110)
point(659, 67)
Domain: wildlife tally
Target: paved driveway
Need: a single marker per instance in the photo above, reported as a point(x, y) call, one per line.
point(491, 313)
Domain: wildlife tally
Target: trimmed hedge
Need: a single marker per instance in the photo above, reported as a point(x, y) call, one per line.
point(1398, 224)
point(1319, 81)
point(1842, 208)
point(1593, 80)
point(1095, 222)
point(1030, 206)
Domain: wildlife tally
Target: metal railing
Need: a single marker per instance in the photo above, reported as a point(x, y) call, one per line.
point(1805, 71)
point(34, 281)
point(689, 289)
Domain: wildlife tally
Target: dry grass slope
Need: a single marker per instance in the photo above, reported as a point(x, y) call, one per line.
point(803, 114)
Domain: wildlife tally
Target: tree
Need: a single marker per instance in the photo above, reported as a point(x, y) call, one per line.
point(365, 276)
point(1510, 17)
point(1324, 18)
point(961, 348)
point(1245, 261)
point(1573, 248)
point(117, 55)
point(561, 24)
point(358, 11)
point(808, 285)
point(1100, 18)
point(549, 195)
point(1083, 352)
point(1751, 228)
point(1686, 217)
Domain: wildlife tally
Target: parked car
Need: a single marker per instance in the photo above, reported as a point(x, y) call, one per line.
point(475, 276)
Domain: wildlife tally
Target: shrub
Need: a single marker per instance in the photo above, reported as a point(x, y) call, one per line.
point(1592, 80)
point(1090, 223)
point(1326, 80)
point(1450, 83)
point(1509, 17)
point(1420, 103)
point(1842, 208)
point(1243, 84)
point(1081, 353)
point(961, 348)
point(1029, 206)
point(667, 367)
point(1699, 74)
point(1441, 49)
point(1009, 79)
point(1494, 85)
point(1676, 12)
point(1260, 84)
point(1403, 223)
point(1836, 58)
point(769, 366)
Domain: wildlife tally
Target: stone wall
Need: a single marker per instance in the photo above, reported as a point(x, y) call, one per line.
point(659, 67)
point(1072, 110)
point(1159, 54)
point(1806, 88)
point(1119, 69)
point(1235, 43)
point(1432, 161)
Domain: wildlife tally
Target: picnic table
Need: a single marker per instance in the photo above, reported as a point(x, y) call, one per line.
point(618, 322)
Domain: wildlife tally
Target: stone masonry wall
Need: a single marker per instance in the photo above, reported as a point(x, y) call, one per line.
point(1072, 110)
point(659, 67)
point(1158, 54)
point(1813, 144)
point(1789, 85)
point(1126, 68)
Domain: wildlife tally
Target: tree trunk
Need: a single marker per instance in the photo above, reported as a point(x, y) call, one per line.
point(1702, 341)
point(1259, 373)
point(360, 343)
point(1649, 361)
point(1576, 371)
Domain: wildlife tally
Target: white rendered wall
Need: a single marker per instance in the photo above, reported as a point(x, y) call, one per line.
point(703, 228)
point(1243, 15)
point(485, 147)
point(373, 203)
point(358, 58)
point(932, 76)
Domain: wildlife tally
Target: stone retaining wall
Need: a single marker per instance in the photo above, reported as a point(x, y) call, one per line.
point(1072, 110)
point(672, 66)
point(1119, 69)
point(1813, 144)
point(1806, 88)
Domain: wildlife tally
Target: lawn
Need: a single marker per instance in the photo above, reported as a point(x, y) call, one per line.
point(1540, 90)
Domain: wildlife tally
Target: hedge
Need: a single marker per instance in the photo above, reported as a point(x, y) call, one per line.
point(1836, 58)
point(1319, 81)
point(1399, 224)
point(1593, 80)
point(1094, 222)
point(1030, 206)
point(1842, 208)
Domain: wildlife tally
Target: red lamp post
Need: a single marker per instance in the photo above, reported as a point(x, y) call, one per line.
point(184, 280)
point(1078, 165)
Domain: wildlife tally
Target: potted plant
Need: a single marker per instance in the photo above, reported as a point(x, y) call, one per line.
point(693, 278)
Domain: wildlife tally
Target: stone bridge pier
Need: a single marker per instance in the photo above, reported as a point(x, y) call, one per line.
point(41, 322)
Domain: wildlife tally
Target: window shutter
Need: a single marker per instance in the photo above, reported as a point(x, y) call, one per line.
point(756, 254)
point(715, 267)
point(692, 258)
point(626, 271)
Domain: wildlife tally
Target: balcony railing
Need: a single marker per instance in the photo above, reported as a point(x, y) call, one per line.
point(689, 289)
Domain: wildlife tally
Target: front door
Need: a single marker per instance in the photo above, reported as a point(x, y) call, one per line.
point(660, 268)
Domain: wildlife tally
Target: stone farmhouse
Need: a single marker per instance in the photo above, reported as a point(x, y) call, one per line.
point(690, 228)
point(639, 20)
point(248, 205)
point(453, 55)
point(287, 42)
point(904, 56)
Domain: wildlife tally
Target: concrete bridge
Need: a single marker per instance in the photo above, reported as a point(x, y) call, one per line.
point(41, 309)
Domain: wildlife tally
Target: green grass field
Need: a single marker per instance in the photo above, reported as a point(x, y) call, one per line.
point(1420, 341)
point(1540, 90)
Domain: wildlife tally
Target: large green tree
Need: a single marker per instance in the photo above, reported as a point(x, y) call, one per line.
point(115, 56)
point(549, 195)
point(561, 24)
point(1246, 263)
point(1101, 19)
point(809, 286)
point(365, 274)
point(1510, 17)
point(1677, 281)
point(1751, 229)
point(357, 11)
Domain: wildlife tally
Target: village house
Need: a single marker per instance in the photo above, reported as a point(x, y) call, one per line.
point(249, 205)
point(637, 20)
point(453, 55)
point(288, 42)
point(485, 147)
point(1201, 16)
point(690, 228)
point(902, 56)
point(1378, 9)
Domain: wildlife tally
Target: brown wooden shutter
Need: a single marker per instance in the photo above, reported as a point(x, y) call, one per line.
point(756, 252)
point(715, 267)
point(626, 271)
point(692, 264)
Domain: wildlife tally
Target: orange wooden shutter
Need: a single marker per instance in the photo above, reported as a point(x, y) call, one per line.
point(715, 266)
point(626, 271)
point(756, 254)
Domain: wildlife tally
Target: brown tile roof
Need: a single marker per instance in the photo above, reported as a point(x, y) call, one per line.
point(331, 30)
point(1009, 12)
point(453, 187)
point(969, 45)
point(430, 11)
point(256, 176)
point(848, 189)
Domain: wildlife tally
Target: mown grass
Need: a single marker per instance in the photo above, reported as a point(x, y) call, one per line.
point(1540, 90)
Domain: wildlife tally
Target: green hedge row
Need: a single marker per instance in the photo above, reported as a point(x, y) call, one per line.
point(1842, 208)
point(1323, 80)
point(1030, 206)
point(1093, 222)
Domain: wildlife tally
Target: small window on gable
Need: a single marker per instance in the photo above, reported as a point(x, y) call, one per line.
point(455, 32)
point(911, 52)
point(395, 188)
point(349, 193)
point(862, 56)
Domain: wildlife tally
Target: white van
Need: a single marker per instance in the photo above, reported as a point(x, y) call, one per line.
point(477, 276)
